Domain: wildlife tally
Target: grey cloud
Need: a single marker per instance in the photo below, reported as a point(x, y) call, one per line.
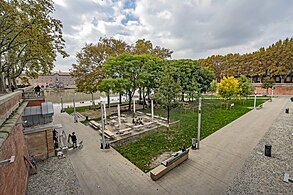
point(195, 29)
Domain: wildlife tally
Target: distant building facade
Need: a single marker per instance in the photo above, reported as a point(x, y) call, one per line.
point(55, 80)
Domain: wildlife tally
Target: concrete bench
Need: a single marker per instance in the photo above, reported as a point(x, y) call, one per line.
point(125, 134)
point(138, 127)
point(95, 125)
point(108, 134)
point(124, 130)
point(168, 165)
point(259, 107)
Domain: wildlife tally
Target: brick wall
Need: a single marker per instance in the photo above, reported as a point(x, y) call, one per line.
point(280, 89)
point(40, 143)
point(8, 103)
point(14, 176)
point(35, 102)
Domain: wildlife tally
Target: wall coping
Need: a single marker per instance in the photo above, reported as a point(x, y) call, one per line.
point(9, 96)
point(10, 123)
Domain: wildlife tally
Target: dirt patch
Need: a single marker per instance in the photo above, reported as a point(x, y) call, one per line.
point(157, 160)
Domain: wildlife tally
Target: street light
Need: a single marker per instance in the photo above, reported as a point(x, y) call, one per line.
point(74, 110)
point(198, 122)
point(103, 123)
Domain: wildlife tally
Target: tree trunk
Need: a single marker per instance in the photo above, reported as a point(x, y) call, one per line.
point(2, 83)
point(143, 97)
point(140, 96)
point(120, 98)
point(14, 83)
point(108, 99)
point(168, 118)
point(130, 100)
point(94, 105)
point(182, 96)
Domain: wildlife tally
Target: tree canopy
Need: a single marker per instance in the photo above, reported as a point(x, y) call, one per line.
point(30, 39)
point(166, 95)
point(273, 61)
point(228, 87)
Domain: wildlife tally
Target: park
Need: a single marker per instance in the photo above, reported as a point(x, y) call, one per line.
point(133, 97)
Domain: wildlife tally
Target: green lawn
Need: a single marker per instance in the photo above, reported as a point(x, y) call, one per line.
point(214, 116)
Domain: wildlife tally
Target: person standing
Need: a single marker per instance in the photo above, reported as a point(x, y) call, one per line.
point(37, 90)
point(74, 139)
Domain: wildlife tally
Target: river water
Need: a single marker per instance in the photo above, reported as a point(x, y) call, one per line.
point(67, 96)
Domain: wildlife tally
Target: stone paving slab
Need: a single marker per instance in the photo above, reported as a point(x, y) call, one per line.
point(208, 171)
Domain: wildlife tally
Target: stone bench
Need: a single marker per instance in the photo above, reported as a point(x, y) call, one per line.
point(95, 125)
point(259, 107)
point(168, 165)
point(108, 134)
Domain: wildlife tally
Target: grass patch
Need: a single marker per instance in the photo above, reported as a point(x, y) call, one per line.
point(80, 109)
point(214, 116)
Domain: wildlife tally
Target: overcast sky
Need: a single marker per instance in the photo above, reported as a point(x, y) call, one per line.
point(191, 28)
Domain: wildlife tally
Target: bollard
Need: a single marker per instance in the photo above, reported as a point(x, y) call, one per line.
point(287, 111)
point(268, 150)
point(193, 143)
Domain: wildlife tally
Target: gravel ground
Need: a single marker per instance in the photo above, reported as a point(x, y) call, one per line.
point(55, 176)
point(264, 175)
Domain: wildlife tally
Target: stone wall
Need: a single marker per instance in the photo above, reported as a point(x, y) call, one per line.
point(40, 143)
point(13, 176)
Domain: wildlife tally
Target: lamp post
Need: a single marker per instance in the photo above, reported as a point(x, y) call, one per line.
point(103, 123)
point(133, 106)
point(152, 108)
point(198, 122)
point(119, 119)
point(74, 110)
point(62, 109)
point(254, 103)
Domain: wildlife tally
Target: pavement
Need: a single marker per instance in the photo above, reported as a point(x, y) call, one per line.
point(208, 170)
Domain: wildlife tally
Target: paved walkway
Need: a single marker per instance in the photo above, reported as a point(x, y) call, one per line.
point(208, 171)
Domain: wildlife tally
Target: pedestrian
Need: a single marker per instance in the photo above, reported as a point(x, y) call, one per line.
point(37, 90)
point(74, 139)
point(12, 88)
point(55, 138)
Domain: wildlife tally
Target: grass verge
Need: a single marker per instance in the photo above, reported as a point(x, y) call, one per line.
point(214, 116)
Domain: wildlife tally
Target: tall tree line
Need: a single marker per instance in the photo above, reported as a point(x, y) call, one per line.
point(276, 60)
point(30, 39)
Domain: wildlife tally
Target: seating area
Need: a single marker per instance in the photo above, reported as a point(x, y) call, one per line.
point(169, 164)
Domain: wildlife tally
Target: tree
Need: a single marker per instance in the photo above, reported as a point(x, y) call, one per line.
point(228, 87)
point(143, 46)
point(267, 83)
point(169, 90)
point(191, 76)
point(30, 39)
point(129, 68)
point(213, 86)
point(244, 86)
point(106, 85)
point(88, 70)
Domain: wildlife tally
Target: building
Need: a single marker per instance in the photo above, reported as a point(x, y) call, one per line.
point(55, 80)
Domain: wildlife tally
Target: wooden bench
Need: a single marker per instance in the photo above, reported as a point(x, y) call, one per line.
point(168, 165)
